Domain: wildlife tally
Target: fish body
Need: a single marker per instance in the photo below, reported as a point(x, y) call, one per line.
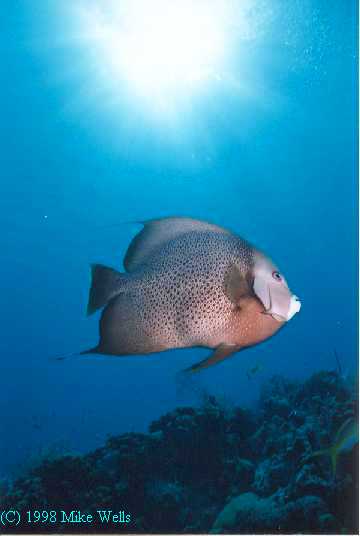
point(189, 283)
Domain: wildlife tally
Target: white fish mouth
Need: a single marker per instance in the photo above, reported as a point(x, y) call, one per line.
point(294, 307)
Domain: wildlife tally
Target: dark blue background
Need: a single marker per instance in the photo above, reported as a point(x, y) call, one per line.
point(278, 166)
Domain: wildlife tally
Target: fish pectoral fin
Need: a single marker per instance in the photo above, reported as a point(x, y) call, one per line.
point(235, 285)
point(221, 352)
point(106, 283)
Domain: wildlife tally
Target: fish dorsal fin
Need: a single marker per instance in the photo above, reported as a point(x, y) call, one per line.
point(235, 285)
point(156, 233)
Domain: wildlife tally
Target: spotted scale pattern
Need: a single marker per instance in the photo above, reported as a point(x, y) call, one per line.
point(178, 297)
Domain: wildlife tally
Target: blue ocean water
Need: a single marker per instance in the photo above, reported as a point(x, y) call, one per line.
point(268, 150)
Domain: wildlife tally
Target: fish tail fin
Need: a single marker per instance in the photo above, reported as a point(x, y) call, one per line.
point(94, 350)
point(106, 283)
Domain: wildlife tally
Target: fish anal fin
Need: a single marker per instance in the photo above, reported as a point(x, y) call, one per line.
point(235, 285)
point(221, 352)
point(106, 283)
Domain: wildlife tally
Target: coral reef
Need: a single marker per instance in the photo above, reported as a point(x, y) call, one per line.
point(211, 469)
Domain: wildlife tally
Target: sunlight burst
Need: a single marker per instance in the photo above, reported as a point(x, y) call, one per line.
point(160, 59)
point(159, 48)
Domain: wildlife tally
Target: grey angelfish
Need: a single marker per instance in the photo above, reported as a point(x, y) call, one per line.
point(189, 283)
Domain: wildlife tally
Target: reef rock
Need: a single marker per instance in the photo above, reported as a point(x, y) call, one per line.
point(214, 468)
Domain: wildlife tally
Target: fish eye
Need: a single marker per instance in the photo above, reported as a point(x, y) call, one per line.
point(276, 275)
